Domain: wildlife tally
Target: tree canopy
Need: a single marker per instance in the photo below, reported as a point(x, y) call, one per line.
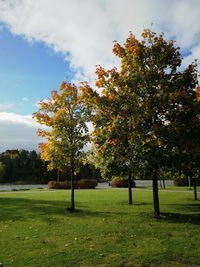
point(147, 110)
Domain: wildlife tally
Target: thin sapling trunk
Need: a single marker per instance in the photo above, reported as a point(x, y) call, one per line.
point(130, 200)
point(155, 194)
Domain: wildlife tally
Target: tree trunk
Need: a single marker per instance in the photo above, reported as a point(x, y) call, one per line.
point(163, 183)
point(72, 208)
point(130, 200)
point(155, 194)
point(189, 182)
point(58, 174)
point(195, 189)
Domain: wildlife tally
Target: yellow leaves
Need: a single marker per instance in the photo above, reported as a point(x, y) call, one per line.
point(62, 86)
point(66, 117)
point(197, 91)
point(54, 94)
point(101, 72)
point(148, 34)
point(118, 50)
point(99, 83)
point(85, 89)
point(150, 142)
point(42, 133)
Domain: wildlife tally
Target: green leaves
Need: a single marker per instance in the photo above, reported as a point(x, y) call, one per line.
point(66, 116)
point(145, 108)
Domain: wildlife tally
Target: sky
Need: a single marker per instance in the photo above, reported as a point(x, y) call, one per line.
point(45, 42)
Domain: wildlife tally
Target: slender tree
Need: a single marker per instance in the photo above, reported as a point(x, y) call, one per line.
point(113, 133)
point(66, 117)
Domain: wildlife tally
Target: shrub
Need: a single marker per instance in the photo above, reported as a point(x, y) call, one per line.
point(58, 185)
point(121, 182)
point(184, 181)
point(87, 184)
point(180, 181)
point(82, 184)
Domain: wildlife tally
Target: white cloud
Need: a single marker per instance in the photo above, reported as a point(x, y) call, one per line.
point(6, 106)
point(25, 99)
point(84, 30)
point(18, 132)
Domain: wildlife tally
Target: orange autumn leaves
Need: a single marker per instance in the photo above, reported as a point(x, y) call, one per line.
point(198, 93)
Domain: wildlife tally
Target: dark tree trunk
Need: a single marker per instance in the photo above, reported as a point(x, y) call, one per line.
point(163, 183)
point(72, 208)
point(195, 188)
point(130, 200)
point(155, 194)
point(189, 181)
point(58, 176)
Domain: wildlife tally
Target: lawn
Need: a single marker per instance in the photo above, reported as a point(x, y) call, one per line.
point(180, 188)
point(37, 230)
point(174, 188)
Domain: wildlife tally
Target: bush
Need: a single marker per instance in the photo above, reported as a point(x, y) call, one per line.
point(121, 182)
point(181, 181)
point(87, 184)
point(184, 181)
point(58, 185)
point(82, 184)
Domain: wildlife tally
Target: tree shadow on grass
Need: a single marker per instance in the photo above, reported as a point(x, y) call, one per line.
point(135, 203)
point(183, 213)
point(191, 207)
point(181, 218)
point(23, 209)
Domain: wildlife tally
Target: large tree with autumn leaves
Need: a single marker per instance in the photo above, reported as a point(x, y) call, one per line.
point(148, 111)
point(65, 116)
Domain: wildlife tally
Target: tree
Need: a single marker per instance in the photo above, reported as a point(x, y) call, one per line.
point(112, 135)
point(143, 101)
point(66, 117)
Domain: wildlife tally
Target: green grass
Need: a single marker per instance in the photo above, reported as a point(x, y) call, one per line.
point(174, 188)
point(37, 230)
point(180, 188)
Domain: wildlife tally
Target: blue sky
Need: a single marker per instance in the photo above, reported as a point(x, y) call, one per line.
point(28, 72)
point(43, 43)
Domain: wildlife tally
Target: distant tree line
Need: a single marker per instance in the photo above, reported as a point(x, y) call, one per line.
point(22, 166)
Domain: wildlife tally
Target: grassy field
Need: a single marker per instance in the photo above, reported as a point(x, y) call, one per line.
point(180, 188)
point(174, 188)
point(36, 229)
